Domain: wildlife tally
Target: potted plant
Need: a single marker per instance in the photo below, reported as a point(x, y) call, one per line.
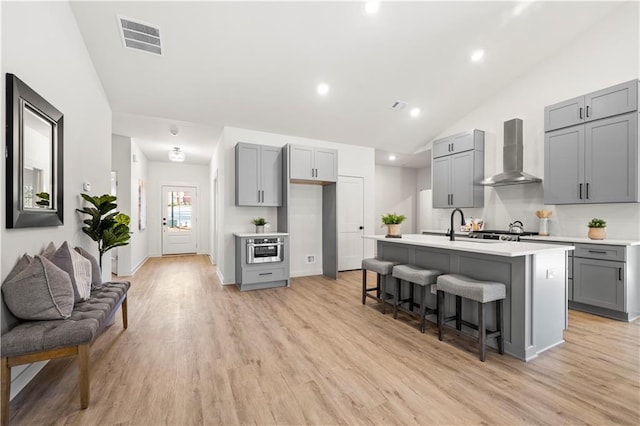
point(259, 222)
point(597, 229)
point(393, 221)
point(105, 226)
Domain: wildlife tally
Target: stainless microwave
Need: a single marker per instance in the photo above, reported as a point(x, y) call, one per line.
point(265, 250)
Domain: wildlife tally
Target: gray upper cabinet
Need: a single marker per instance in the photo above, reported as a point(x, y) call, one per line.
point(596, 161)
point(258, 175)
point(614, 100)
point(458, 168)
point(593, 163)
point(313, 164)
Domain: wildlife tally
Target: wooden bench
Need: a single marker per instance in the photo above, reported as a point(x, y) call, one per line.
point(32, 341)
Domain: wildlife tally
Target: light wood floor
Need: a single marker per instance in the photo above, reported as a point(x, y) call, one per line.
point(199, 353)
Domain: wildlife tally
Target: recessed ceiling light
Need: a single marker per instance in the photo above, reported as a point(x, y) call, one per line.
point(323, 89)
point(371, 7)
point(477, 55)
point(415, 112)
point(392, 157)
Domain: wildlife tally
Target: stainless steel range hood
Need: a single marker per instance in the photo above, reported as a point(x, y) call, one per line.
point(511, 158)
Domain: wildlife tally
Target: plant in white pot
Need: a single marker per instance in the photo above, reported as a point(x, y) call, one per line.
point(597, 229)
point(393, 221)
point(259, 222)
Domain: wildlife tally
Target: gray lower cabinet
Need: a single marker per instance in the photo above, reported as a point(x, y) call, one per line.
point(313, 164)
point(258, 175)
point(458, 168)
point(605, 280)
point(599, 283)
point(257, 276)
point(614, 100)
point(595, 162)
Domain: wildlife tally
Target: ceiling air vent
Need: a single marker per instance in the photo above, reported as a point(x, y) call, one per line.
point(398, 105)
point(140, 35)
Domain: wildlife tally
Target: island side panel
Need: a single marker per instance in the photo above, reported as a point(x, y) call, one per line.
point(549, 299)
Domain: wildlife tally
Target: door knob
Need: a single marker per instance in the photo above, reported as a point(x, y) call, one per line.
point(361, 227)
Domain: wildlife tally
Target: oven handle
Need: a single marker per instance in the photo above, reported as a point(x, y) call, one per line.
point(265, 244)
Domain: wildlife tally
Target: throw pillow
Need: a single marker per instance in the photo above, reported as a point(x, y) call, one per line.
point(24, 261)
point(41, 291)
point(78, 268)
point(49, 250)
point(96, 274)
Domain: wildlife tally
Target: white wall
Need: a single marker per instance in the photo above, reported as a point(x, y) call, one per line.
point(605, 55)
point(352, 161)
point(177, 174)
point(65, 77)
point(131, 164)
point(396, 192)
point(42, 45)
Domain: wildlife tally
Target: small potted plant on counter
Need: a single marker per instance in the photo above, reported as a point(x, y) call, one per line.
point(393, 221)
point(259, 222)
point(597, 229)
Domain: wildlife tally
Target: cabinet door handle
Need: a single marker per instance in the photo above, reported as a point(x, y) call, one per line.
point(580, 114)
point(587, 111)
point(620, 274)
point(587, 190)
point(262, 196)
point(598, 251)
point(265, 273)
point(451, 199)
point(580, 191)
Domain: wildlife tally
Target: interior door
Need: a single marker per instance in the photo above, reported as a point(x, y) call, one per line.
point(350, 222)
point(179, 207)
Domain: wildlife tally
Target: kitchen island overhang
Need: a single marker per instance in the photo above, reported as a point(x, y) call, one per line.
point(535, 276)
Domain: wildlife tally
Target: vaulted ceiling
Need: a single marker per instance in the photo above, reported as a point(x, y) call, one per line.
point(256, 65)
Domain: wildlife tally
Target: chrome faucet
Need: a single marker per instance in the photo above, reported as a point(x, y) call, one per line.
point(452, 232)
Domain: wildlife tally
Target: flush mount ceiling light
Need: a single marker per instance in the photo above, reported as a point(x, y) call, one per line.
point(414, 112)
point(392, 157)
point(477, 55)
point(322, 89)
point(173, 130)
point(176, 155)
point(372, 7)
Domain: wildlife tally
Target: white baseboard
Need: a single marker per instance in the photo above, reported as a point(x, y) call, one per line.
point(305, 273)
point(139, 265)
point(22, 378)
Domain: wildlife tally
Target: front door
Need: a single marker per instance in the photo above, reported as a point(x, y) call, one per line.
point(179, 207)
point(350, 222)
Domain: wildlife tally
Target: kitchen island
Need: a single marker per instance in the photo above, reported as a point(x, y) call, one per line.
point(535, 310)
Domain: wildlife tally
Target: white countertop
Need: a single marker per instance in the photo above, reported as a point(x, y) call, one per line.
point(583, 240)
point(492, 247)
point(264, 234)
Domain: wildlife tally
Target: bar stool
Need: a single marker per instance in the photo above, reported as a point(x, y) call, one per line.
point(382, 268)
point(482, 292)
point(414, 276)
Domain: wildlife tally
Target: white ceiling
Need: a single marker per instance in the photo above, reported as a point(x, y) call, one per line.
point(256, 65)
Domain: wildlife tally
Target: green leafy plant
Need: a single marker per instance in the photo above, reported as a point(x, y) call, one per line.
point(393, 219)
point(259, 221)
point(43, 199)
point(597, 223)
point(105, 226)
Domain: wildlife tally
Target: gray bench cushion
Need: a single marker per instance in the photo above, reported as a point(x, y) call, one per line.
point(469, 288)
point(415, 274)
point(383, 267)
point(81, 327)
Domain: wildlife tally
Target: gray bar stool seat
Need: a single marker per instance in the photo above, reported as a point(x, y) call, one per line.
point(482, 292)
point(414, 276)
point(382, 268)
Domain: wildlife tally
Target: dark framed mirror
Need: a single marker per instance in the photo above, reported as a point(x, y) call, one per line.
point(34, 160)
